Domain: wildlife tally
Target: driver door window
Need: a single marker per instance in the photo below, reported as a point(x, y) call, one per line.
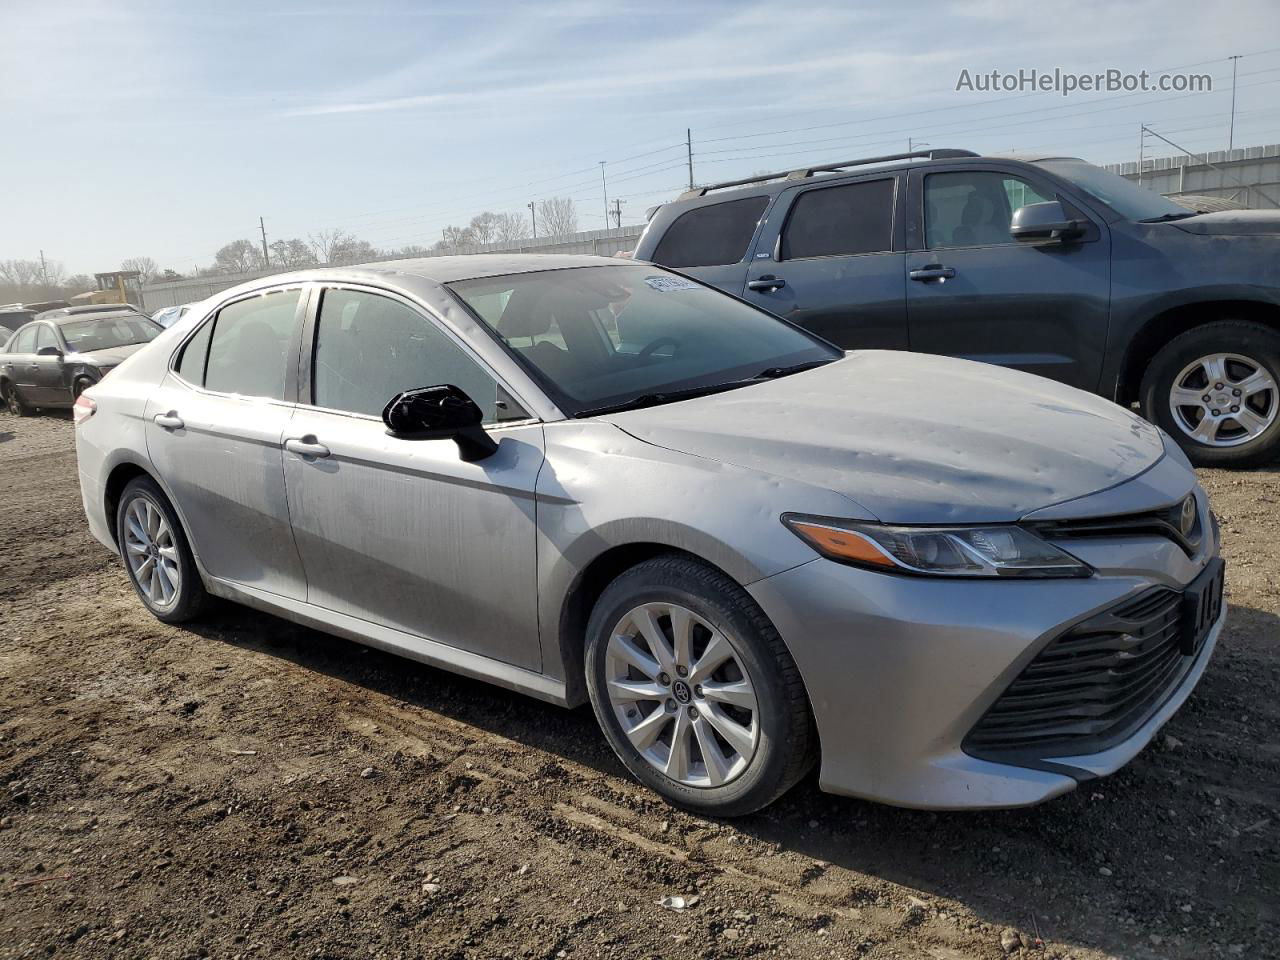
point(973, 208)
point(45, 337)
point(370, 348)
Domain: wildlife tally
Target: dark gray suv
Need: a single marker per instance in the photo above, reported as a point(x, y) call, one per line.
point(1046, 264)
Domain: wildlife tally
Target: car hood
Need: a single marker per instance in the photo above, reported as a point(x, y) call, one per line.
point(1232, 223)
point(914, 438)
point(106, 358)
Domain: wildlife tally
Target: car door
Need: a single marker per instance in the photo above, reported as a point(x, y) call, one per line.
point(20, 362)
point(49, 384)
point(975, 292)
point(214, 429)
point(404, 533)
point(829, 259)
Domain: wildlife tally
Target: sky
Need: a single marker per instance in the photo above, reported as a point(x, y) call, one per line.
point(167, 129)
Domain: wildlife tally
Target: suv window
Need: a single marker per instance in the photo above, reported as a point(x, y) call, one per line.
point(45, 337)
point(248, 354)
point(711, 236)
point(370, 348)
point(973, 208)
point(841, 221)
point(25, 341)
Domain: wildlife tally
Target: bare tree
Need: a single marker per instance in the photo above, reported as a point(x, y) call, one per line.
point(146, 267)
point(457, 239)
point(291, 254)
point(511, 227)
point(351, 250)
point(557, 216)
point(20, 273)
point(323, 242)
point(485, 227)
point(414, 250)
point(239, 256)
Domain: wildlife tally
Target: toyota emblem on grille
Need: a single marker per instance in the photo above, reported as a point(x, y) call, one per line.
point(1188, 519)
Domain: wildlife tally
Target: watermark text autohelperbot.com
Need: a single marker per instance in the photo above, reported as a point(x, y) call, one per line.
point(1065, 82)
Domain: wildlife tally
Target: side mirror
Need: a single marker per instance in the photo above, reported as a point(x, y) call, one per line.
point(443, 412)
point(1043, 221)
point(49, 352)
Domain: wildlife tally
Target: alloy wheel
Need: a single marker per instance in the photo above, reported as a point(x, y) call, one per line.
point(679, 691)
point(1224, 399)
point(11, 401)
point(151, 552)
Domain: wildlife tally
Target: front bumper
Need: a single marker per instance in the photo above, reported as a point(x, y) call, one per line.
point(899, 669)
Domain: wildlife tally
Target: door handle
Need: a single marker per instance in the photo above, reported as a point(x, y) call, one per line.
point(766, 283)
point(170, 420)
point(306, 447)
point(934, 271)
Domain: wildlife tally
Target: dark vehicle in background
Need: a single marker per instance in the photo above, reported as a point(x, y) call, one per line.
point(49, 363)
point(12, 316)
point(1049, 265)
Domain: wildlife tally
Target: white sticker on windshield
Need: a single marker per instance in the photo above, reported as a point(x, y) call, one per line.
point(667, 284)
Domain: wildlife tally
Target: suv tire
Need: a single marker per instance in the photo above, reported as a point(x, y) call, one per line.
point(1178, 393)
point(698, 701)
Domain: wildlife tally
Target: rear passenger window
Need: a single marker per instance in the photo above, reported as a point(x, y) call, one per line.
point(711, 236)
point(248, 354)
point(841, 221)
point(191, 363)
point(24, 342)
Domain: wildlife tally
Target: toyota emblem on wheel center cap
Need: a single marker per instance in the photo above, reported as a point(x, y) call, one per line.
point(681, 691)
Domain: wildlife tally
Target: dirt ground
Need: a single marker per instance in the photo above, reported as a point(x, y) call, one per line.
point(249, 788)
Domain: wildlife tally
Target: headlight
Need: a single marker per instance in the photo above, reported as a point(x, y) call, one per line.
point(995, 551)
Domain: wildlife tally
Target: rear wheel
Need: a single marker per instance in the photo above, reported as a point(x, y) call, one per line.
point(695, 690)
point(156, 554)
point(1216, 390)
point(13, 403)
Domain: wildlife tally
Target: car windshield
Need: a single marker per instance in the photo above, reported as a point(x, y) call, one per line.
point(600, 337)
point(85, 336)
point(1123, 196)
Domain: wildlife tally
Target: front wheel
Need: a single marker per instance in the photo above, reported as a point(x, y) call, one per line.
point(156, 554)
point(695, 690)
point(1216, 390)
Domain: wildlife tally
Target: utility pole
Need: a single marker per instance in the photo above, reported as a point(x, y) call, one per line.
point(533, 215)
point(604, 186)
point(617, 213)
point(1231, 131)
point(688, 146)
point(44, 274)
point(266, 257)
point(1142, 146)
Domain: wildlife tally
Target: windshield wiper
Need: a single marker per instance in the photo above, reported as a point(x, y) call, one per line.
point(772, 373)
point(665, 396)
point(1166, 217)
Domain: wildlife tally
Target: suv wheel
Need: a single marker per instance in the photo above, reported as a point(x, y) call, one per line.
point(156, 554)
point(695, 690)
point(1216, 390)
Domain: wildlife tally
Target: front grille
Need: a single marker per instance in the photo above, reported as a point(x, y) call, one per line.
point(1091, 687)
point(1165, 522)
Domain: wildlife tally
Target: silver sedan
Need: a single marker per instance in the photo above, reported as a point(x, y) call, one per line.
point(597, 480)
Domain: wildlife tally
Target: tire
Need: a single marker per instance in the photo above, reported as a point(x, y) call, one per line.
point(783, 738)
point(174, 593)
point(13, 403)
point(1238, 353)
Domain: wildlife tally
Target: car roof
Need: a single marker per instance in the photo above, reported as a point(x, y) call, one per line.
point(100, 315)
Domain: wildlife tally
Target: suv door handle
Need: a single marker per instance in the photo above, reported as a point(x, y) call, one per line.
point(306, 447)
point(766, 283)
point(934, 271)
point(170, 420)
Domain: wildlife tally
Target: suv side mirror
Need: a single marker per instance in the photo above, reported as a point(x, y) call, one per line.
point(443, 412)
point(1043, 221)
point(49, 352)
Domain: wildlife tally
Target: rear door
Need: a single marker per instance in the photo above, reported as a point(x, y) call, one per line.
point(829, 259)
point(214, 429)
point(712, 241)
point(48, 381)
point(20, 362)
point(975, 292)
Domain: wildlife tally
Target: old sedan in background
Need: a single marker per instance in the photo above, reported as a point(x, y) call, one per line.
point(587, 479)
point(48, 363)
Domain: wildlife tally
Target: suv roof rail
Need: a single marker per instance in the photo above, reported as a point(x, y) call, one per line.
point(804, 172)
